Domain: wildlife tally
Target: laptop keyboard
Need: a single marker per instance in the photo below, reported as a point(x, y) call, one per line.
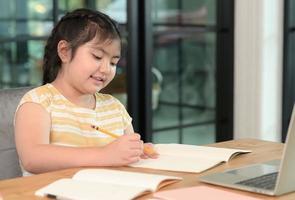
point(267, 181)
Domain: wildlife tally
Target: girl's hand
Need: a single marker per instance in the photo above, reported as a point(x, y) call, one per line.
point(149, 151)
point(125, 150)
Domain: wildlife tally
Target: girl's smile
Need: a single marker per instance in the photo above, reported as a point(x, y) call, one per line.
point(98, 80)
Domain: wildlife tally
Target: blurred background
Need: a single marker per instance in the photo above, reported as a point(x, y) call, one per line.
point(178, 73)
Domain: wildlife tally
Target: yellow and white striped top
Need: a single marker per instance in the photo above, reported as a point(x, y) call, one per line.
point(71, 125)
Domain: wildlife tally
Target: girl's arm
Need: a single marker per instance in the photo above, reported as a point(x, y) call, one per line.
point(32, 136)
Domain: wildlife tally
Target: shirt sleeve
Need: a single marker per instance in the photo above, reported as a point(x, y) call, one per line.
point(125, 115)
point(34, 96)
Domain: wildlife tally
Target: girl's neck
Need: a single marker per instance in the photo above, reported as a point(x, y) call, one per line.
point(74, 95)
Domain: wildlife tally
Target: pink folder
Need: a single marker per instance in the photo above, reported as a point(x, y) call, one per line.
point(200, 192)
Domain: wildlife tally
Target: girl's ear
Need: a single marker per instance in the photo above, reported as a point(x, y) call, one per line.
point(63, 51)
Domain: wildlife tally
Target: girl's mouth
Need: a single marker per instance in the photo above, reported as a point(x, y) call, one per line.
point(97, 78)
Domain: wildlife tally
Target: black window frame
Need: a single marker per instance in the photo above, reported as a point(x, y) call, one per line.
point(288, 67)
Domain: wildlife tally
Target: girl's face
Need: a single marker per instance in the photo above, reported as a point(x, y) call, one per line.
point(93, 66)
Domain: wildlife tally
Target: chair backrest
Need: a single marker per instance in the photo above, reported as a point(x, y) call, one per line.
point(9, 163)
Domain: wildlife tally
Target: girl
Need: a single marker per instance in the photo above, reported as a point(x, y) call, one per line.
point(55, 123)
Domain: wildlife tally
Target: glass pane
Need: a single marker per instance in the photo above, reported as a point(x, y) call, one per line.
point(6, 29)
point(183, 99)
point(20, 54)
point(200, 12)
point(21, 63)
point(187, 64)
point(40, 28)
point(36, 51)
point(114, 8)
point(33, 17)
point(29, 18)
point(39, 9)
point(34, 28)
point(165, 11)
point(199, 135)
point(198, 78)
point(9, 11)
point(117, 9)
point(68, 5)
point(170, 136)
point(165, 115)
point(5, 63)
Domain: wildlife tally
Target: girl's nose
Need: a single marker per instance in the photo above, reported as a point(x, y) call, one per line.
point(105, 67)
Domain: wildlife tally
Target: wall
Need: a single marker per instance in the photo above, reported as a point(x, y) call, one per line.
point(258, 69)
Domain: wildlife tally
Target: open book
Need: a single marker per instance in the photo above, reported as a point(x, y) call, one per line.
point(188, 158)
point(105, 184)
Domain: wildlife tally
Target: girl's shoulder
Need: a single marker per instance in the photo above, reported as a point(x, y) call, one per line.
point(39, 91)
point(39, 94)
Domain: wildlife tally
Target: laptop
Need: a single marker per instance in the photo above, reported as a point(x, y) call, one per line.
point(271, 178)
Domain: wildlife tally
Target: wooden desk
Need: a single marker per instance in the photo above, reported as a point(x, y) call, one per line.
point(24, 188)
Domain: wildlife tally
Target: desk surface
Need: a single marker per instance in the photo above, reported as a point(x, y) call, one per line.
point(24, 187)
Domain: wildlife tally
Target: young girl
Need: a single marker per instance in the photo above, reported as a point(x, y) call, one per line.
point(55, 124)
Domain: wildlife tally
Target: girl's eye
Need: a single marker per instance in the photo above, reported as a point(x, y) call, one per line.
point(97, 57)
point(113, 64)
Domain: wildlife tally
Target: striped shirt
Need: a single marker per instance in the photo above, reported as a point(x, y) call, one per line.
point(71, 125)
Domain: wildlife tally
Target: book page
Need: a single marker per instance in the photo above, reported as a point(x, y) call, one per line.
point(187, 158)
point(186, 150)
point(177, 163)
point(74, 189)
point(133, 179)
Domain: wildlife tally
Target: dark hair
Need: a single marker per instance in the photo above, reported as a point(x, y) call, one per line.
point(77, 28)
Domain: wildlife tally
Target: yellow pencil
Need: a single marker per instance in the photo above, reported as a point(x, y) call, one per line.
point(105, 131)
point(147, 150)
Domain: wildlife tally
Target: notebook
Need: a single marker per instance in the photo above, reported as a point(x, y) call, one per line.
point(272, 178)
point(105, 184)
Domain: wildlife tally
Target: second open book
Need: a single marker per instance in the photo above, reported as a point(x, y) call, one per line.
point(105, 184)
point(188, 158)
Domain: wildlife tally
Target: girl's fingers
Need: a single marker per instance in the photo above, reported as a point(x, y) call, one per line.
point(149, 150)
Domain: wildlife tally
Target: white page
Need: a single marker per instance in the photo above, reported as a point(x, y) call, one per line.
point(77, 190)
point(185, 150)
point(134, 179)
point(177, 163)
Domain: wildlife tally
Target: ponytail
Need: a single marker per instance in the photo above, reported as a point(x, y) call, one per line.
point(51, 60)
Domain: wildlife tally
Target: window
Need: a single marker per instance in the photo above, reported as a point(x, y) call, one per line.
point(174, 67)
